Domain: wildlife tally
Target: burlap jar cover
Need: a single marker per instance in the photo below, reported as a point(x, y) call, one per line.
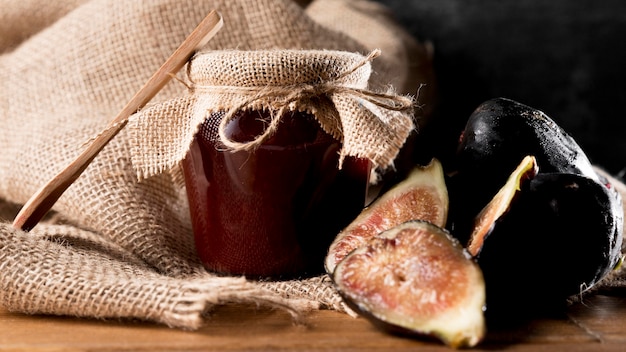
point(116, 246)
point(330, 85)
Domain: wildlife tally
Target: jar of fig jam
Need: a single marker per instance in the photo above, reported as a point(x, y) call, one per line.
point(276, 149)
point(274, 210)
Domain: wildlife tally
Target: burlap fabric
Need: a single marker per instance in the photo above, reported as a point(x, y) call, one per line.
point(115, 247)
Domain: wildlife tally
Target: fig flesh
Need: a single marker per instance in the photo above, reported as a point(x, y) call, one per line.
point(500, 203)
point(416, 279)
point(422, 195)
point(560, 235)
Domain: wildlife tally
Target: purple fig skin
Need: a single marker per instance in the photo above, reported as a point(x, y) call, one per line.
point(500, 132)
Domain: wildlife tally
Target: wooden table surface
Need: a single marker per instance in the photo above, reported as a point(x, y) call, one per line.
point(597, 324)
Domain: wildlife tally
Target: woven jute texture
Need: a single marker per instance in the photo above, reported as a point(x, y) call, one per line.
point(116, 246)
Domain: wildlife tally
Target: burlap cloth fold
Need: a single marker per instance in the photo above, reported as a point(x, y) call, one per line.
point(116, 246)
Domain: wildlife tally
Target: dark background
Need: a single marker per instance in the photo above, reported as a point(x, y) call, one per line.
point(564, 57)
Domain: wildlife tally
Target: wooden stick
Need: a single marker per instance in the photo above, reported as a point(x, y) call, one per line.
point(43, 200)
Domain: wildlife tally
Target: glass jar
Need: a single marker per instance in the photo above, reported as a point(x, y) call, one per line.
point(272, 211)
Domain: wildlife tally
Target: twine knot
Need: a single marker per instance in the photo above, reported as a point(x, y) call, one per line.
point(287, 97)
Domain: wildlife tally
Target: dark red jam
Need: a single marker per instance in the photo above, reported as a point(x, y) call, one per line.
point(271, 212)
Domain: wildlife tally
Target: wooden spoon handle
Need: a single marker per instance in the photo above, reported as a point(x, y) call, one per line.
point(43, 200)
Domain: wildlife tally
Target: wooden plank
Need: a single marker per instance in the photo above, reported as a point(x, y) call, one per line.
point(594, 325)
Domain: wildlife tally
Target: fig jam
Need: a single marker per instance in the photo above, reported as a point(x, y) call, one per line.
point(273, 211)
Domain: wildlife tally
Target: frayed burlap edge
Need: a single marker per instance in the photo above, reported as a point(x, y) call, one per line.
point(56, 273)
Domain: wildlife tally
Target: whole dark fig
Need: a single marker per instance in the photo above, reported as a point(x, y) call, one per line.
point(500, 132)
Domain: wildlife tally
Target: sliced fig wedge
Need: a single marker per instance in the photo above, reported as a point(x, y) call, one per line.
point(561, 236)
point(416, 279)
point(422, 195)
point(500, 203)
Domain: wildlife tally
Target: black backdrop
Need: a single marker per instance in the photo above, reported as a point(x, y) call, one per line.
point(564, 57)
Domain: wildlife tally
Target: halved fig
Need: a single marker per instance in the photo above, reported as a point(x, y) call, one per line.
point(422, 195)
point(561, 235)
point(500, 203)
point(416, 279)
